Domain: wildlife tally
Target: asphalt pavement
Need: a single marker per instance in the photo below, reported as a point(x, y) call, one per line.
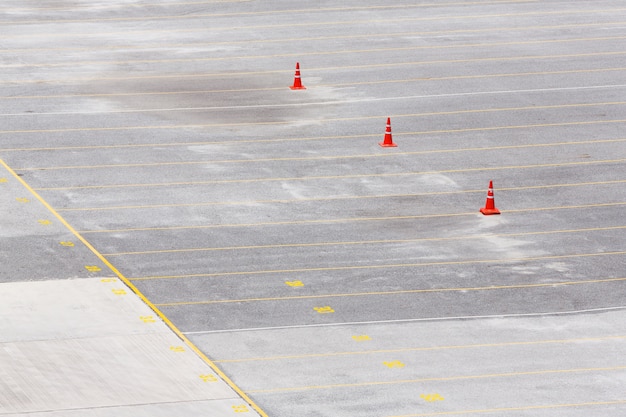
point(155, 163)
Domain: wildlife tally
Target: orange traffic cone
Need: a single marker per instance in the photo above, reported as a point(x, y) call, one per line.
point(388, 141)
point(490, 205)
point(297, 82)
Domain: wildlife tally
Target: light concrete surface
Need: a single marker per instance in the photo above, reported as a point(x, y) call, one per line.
point(267, 223)
point(91, 347)
point(438, 366)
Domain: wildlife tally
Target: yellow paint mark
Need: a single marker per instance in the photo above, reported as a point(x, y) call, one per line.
point(93, 268)
point(166, 320)
point(118, 291)
point(431, 397)
point(67, 243)
point(295, 283)
point(3, 180)
point(177, 348)
point(240, 408)
point(147, 319)
point(22, 200)
point(361, 338)
point(394, 364)
point(208, 378)
point(44, 222)
point(324, 310)
point(108, 280)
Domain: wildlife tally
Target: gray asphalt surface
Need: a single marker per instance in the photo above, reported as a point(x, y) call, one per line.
point(324, 274)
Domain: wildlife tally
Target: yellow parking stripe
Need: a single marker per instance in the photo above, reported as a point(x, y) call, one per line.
point(521, 408)
point(428, 348)
point(381, 266)
point(398, 292)
point(443, 378)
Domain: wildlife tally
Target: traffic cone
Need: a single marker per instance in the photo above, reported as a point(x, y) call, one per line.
point(490, 205)
point(297, 82)
point(388, 141)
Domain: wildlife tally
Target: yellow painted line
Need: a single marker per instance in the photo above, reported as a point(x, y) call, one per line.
point(315, 38)
point(130, 285)
point(333, 177)
point(79, 8)
point(381, 266)
point(317, 70)
point(166, 32)
point(257, 141)
point(513, 409)
point(212, 125)
point(352, 219)
point(399, 115)
point(343, 52)
point(398, 292)
point(116, 6)
point(337, 85)
point(429, 348)
point(477, 76)
point(333, 157)
point(334, 198)
point(327, 10)
point(362, 242)
point(448, 378)
point(387, 35)
point(324, 157)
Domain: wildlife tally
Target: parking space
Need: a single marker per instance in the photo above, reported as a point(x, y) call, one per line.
point(324, 274)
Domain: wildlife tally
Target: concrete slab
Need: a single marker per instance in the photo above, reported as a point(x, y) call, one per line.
point(544, 365)
point(91, 346)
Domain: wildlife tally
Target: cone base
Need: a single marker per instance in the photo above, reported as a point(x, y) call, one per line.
point(293, 87)
point(486, 211)
point(387, 145)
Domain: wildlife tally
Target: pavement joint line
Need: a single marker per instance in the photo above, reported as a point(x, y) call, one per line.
point(464, 94)
point(311, 70)
point(116, 6)
point(305, 54)
point(212, 125)
point(335, 177)
point(398, 292)
point(325, 157)
point(441, 378)
point(415, 63)
point(135, 290)
point(427, 348)
point(291, 39)
point(512, 409)
point(324, 103)
point(364, 242)
point(412, 320)
point(376, 266)
point(335, 198)
point(328, 23)
point(355, 219)
point(281, 40)
point(243, 141)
